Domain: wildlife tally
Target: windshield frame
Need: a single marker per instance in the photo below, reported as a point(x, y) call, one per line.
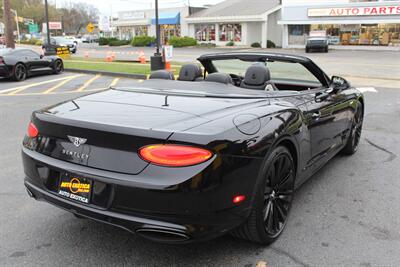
point(208, 59)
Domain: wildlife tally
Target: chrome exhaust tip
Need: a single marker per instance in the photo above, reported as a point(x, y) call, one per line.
point(162, 235)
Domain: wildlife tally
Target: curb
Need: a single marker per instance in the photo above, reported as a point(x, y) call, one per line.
point(109, 73)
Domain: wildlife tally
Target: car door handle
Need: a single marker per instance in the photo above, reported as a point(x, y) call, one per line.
point(316, 115)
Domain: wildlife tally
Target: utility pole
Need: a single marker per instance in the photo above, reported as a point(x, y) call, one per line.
point(157, 31)
point(156, 61)
point(8, 23)
point(46, 11)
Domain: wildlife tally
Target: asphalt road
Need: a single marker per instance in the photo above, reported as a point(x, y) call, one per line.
point(347, 214)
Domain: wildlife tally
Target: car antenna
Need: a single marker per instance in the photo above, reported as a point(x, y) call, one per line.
point(166, 102)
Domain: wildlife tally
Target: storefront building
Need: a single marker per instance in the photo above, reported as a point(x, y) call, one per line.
point(230, 21)
point(142, 23)
point(372, 23)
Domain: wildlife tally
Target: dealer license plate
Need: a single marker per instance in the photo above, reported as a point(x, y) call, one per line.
point(74, 187)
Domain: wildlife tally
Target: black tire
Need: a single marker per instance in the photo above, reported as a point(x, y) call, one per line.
point(355, 132)
point(58, 66)
point(326, 49)
point(273, 200)
point(307, 50)
point(20, 72)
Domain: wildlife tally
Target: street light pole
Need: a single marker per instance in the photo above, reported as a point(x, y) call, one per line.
point(46, 8)
point(17, 22)
point(157, 31)
point(156, 61)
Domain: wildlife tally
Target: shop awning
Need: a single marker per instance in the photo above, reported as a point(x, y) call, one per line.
point(167, 18)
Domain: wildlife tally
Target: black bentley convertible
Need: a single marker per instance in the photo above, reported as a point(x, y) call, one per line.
point(219, 150)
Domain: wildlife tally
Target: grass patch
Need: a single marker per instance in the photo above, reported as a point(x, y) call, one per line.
point(121, 67)
point(131, 68)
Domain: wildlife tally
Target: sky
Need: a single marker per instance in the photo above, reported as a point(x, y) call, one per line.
point(106, 6)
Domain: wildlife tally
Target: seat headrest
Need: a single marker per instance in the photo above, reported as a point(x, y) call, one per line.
point(219, 77)
point(190, 72)
point(162, 74)
point(256, 75)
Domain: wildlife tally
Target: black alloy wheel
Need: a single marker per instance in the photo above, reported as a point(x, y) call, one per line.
point(58, 66)
point(20, 72)
point(278, 194)
point(355, 131)
point(273, 200)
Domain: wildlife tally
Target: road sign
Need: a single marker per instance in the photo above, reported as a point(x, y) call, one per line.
point(90, 27)
point(33, 28)
point(28, 21)
point(167, 53)
point(53, 25)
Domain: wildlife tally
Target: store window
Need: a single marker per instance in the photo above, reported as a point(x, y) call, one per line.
point(230, 32)
point(361, 34)
point(169, 30)
point(298, 34)
point(125, 32)
point(205, 32)
point(140, 30)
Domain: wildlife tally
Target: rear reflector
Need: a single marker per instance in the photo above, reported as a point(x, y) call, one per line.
point(1, 60)
point(174, 155)
point(32, 130)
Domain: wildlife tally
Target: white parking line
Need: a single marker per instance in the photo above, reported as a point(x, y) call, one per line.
point(48, 91)
point(87, 83)
point(15, 90)
point(114, 82)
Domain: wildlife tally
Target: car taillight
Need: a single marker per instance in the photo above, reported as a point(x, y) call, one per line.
point(238, 199)
point(174, 155)
point(2, 60)
point(32, 130)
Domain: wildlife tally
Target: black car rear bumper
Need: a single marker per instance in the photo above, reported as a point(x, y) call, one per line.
point(317, 47)
point(178, 225)
point(4, 71)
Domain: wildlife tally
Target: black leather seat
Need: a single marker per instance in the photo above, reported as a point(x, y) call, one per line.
point(190, 72)
point(162, 74)
point(257, 77)
point(219, 77)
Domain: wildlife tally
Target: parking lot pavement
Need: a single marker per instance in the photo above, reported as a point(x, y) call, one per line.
point(66, 83)
point(347, 214)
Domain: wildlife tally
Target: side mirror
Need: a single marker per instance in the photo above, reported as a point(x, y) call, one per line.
point(339, 83)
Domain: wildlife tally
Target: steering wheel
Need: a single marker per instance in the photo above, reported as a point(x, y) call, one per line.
point(237, 80)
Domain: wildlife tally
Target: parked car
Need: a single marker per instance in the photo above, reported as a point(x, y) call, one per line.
point(62, 41)
point(90, 38)
point(317, 43)
point(214, 152)
point(74, 39)
point(19, 64)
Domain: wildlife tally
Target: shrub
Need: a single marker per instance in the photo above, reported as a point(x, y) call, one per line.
point(39, 43)
point(256, 44)
point(32, 41)
point(143, 41)
point(230, 43)
point(106, 41)
point(118, 42)
point(270, 44)
point(182, 41)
